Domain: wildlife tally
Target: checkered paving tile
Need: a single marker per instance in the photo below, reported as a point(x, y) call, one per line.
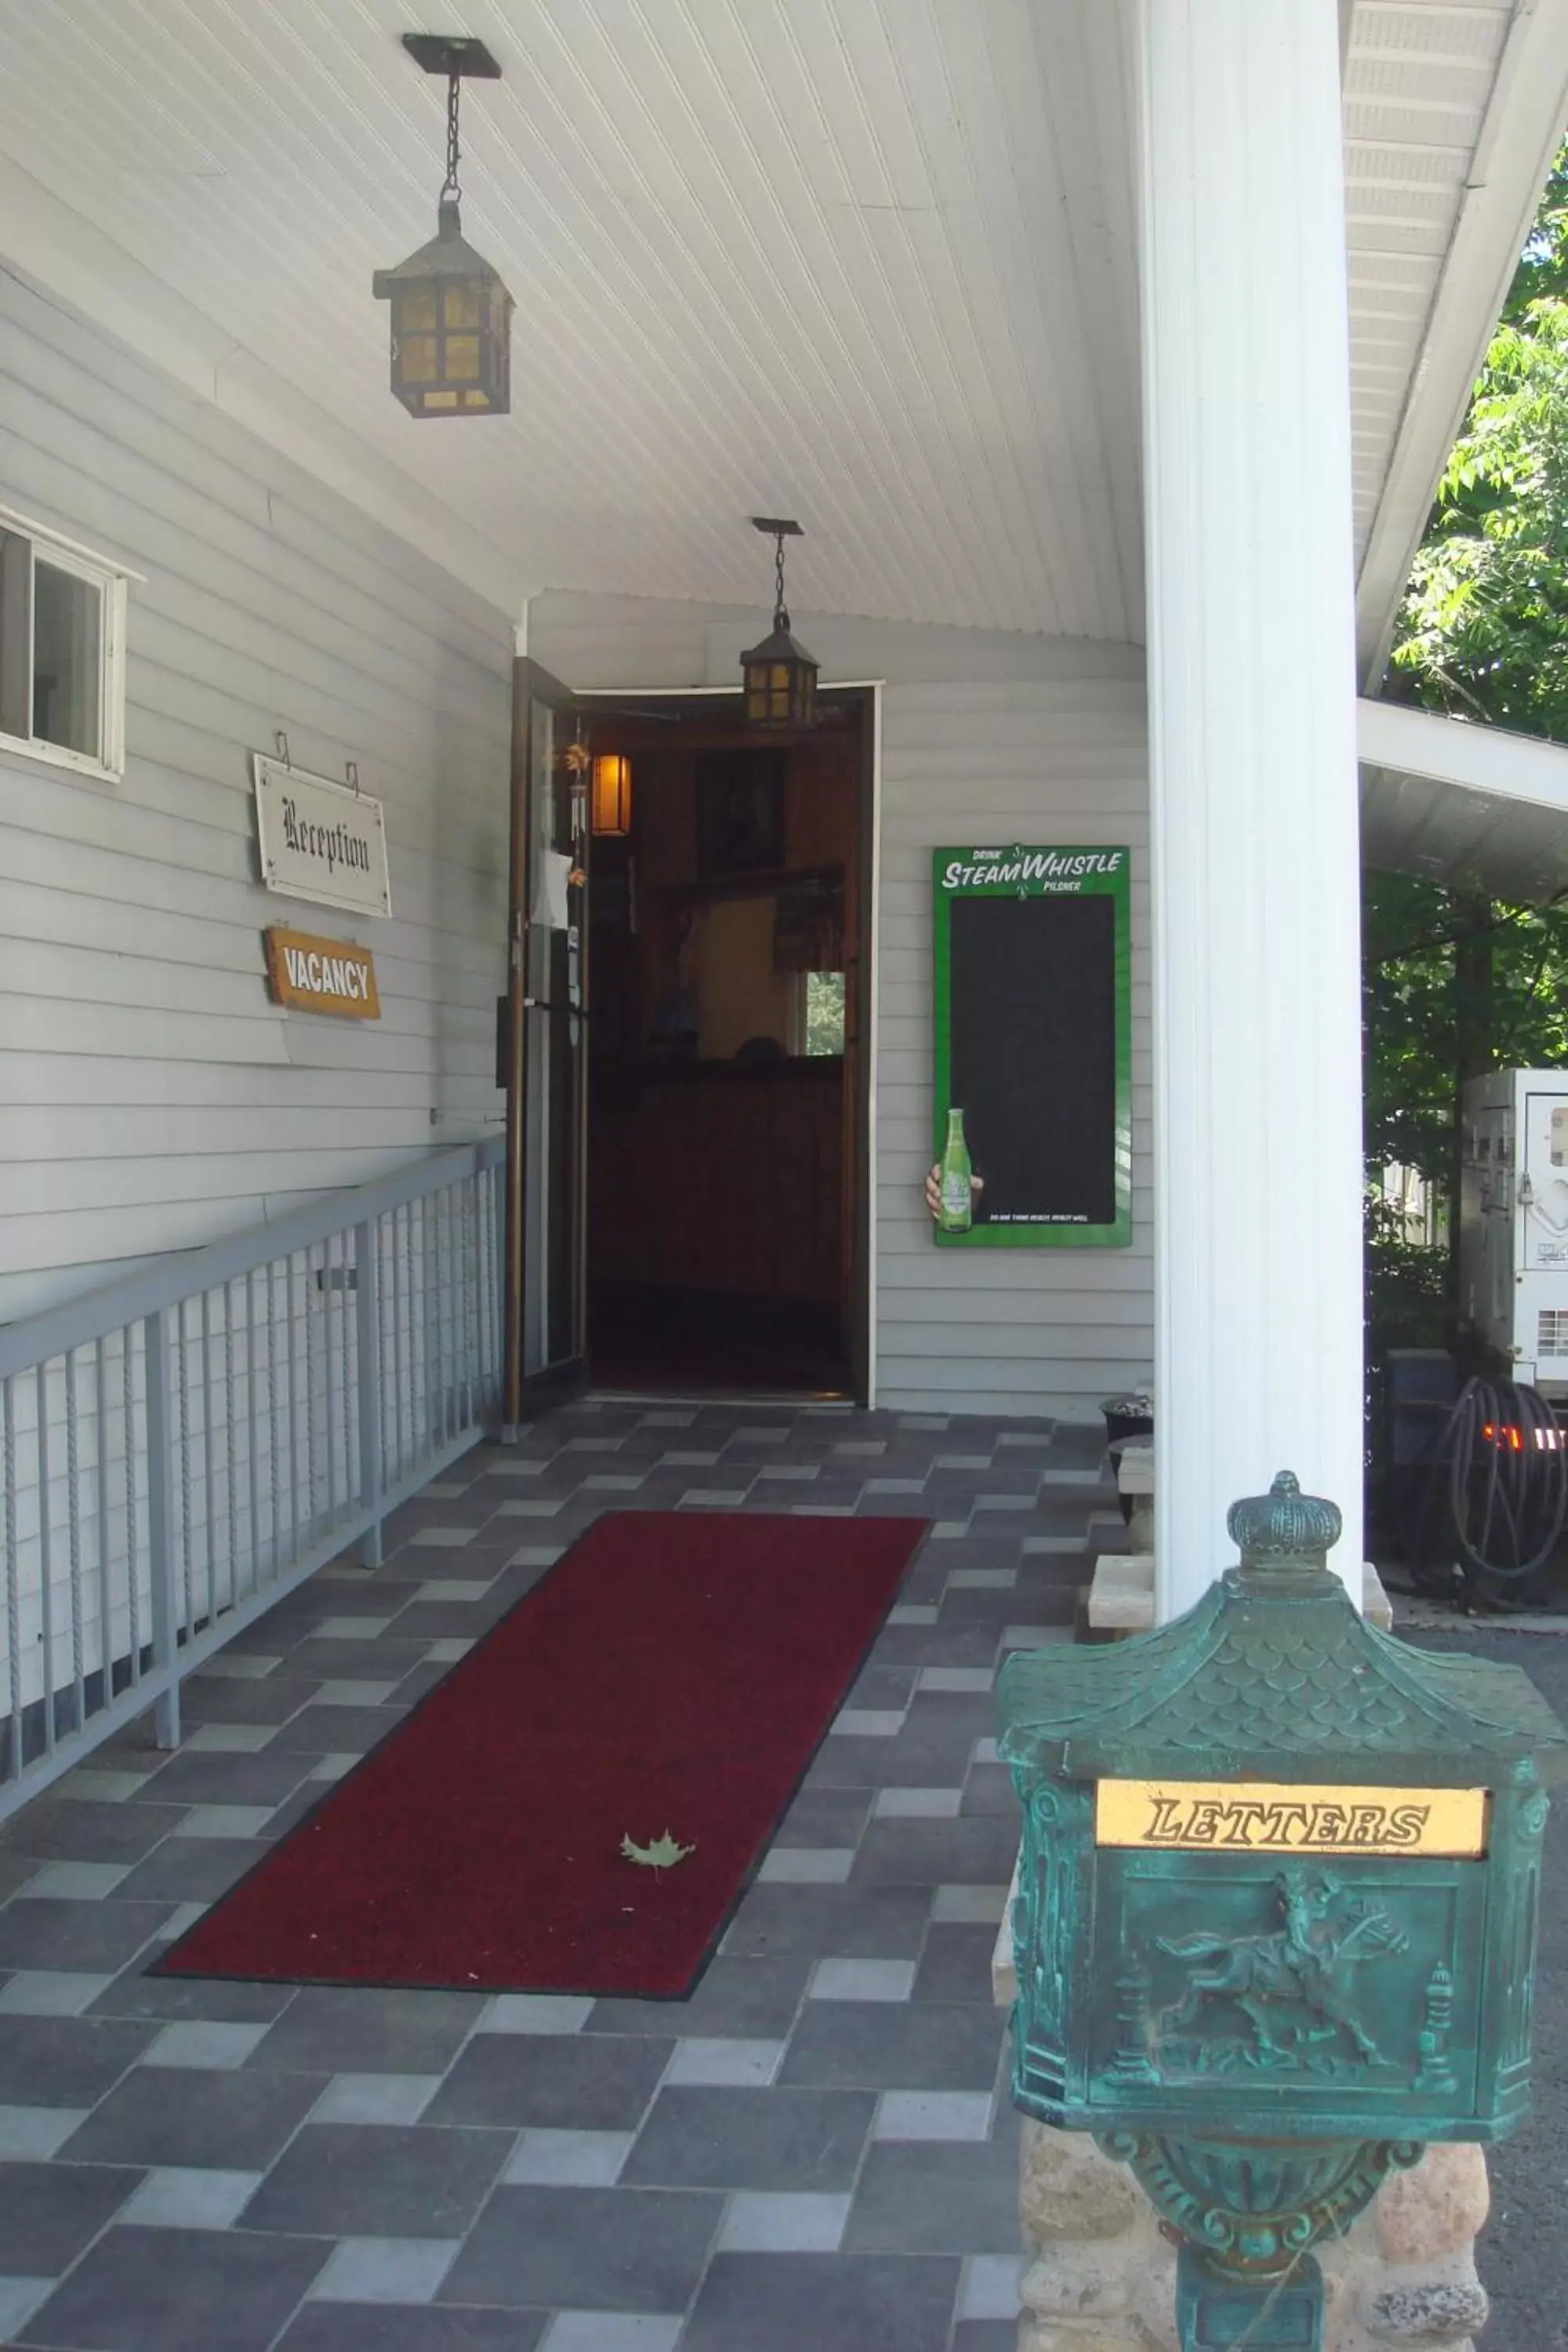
point(816, 2148)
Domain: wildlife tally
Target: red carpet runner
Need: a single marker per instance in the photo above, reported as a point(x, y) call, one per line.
point(674, 1672)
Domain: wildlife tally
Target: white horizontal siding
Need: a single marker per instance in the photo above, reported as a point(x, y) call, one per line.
point(984, 734)
point(154, 1096)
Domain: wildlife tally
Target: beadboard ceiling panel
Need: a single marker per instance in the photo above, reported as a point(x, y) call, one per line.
point(867, 262)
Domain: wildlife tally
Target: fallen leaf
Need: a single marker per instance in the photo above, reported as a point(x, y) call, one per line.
point(662, 1854)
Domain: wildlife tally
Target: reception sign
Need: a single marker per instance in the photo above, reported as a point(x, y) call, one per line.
point(1033, 985)
point(320, 975)
point(319, 840)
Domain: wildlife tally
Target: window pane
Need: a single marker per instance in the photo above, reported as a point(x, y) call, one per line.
point(824, 1012)
point(68, 639)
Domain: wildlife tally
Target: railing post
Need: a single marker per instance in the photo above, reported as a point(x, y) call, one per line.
point(160, 1531)
point(367, 1319)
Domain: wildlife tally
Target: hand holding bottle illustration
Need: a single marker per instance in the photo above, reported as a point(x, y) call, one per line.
point(952, 1189)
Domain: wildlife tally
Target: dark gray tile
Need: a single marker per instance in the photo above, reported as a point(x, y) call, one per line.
point(451, 1621)
point(379, 2180)
point(883, 1684)
point(189, 1870)
point(793, 2138)
point(401, 2328)
point(754, 1999)
point(956, 1966)
point(177, 2291)
point(782, 2302)
point(363, 2030)
point(134, 1993)
point(936, 2197)
point(989, 1789)
point(238, 2121)
point(371, 1593)
point(90, 1829)
point(336, 1730)
point(47, 1931)
point(65, 2061)
point(578, 2082)
point(48, 2212)
point(295, 1808)
point(16, 1869)
point(869, 1923)
point(210, 1777)
point(386, 1659)
point(420, 1684)
point(825, 1817)
point(586, 2249)
point(231, 1698)
point(895, 2046)
point(977, 1850)
point(985, 2336)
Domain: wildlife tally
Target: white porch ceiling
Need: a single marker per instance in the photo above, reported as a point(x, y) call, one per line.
point(868, 262)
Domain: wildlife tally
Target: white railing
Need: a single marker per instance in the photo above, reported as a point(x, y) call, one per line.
point(180, 1448)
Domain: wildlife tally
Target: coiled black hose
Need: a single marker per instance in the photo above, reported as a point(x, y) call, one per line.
point(1492, 1508)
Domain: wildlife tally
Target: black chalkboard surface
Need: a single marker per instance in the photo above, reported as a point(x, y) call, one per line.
point(1033, 996)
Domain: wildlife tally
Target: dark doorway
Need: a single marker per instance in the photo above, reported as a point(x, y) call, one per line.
point(727, 1208)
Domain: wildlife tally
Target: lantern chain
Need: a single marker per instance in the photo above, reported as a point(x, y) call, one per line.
point(781, 616)
point(450, 186)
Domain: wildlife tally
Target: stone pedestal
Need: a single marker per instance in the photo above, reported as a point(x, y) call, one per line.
point(1101, 2274)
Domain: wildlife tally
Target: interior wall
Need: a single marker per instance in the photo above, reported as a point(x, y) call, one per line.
point(154, 1096)
point(982, 735)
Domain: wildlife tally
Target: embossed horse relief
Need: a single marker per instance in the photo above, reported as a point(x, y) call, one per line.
point(1294, 1985)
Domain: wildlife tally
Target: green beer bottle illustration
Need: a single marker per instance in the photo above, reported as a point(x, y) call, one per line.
point(957, 1198)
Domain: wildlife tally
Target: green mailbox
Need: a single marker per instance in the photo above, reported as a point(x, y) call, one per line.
point(1277, 1922)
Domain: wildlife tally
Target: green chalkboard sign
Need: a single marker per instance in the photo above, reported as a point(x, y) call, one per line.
point(1034, 1048)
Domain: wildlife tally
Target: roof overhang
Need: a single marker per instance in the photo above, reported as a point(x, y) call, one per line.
point(1467, 806)
point(1520, 133)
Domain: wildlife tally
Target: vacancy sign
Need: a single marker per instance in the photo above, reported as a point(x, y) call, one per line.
point(321, 840)
point(320, 975)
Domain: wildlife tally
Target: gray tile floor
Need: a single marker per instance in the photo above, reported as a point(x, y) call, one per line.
point(814, 2154)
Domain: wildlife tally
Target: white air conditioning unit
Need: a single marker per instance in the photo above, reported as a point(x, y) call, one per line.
point(1513, 1221)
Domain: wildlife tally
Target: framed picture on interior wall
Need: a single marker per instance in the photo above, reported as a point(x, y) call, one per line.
point(740, 812)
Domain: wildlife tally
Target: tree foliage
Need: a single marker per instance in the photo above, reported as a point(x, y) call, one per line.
point(1452, 980)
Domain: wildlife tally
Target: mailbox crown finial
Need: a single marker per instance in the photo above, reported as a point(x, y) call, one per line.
point(1285, 1528)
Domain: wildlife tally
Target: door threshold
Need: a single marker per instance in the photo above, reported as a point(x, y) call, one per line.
point(791, 1400)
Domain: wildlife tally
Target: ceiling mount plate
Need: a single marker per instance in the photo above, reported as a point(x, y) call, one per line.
point(451, 55)
point(777, 529)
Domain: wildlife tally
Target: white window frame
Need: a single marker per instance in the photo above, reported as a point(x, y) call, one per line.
point(113, 582)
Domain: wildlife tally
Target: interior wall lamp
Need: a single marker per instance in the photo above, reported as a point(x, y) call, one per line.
point(451, 315)
point(780, 675)
point(610, 802)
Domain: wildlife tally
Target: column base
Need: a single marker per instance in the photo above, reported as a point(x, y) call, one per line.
point(1101, 2275)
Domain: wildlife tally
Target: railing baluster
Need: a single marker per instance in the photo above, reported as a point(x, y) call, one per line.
point(253, 1466)
point(400, 1391)
point(73, 1540)
point(209, 1476)
point(183, 1394)
point(292, 1334)
point(367, 1318)
point(13, 1557)
point(312, 1514)
point(353, 1278)
point(46, 1594)
point(231, 1494)
point(160, 1529)
point(132, 1563)
point(332, 1375)
point(105, 1594)
point(273, 1426)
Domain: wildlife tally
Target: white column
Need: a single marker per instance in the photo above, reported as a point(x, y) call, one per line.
point(1252, 721)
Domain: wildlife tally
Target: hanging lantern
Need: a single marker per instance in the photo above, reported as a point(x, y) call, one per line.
point(780, 675)
point(611, 799)
point(451, 315)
